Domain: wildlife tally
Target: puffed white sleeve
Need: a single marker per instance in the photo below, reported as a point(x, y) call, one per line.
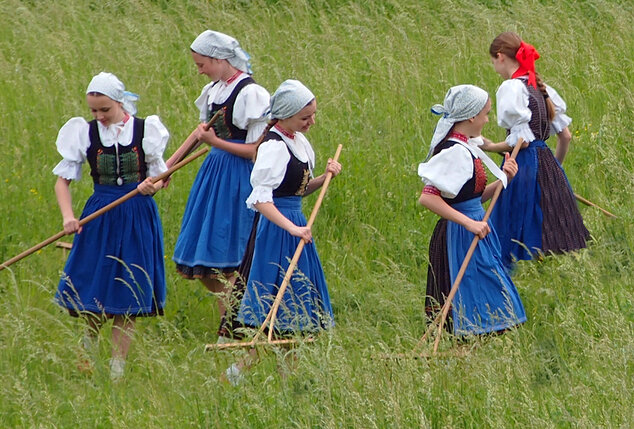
point(268, 171)
point(561, 120)
point(513, 112)
point(202, 102)
point(448, 170)
point(155, 139)
point(249, 111)
point(72, 143)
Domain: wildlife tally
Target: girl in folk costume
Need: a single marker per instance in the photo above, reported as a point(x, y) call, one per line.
point(115, 268)
point(216, 224)
point(280, 178)
point(538, 213)
point(455, 187)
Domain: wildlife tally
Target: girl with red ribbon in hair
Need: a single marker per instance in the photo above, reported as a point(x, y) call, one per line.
point(538, 212)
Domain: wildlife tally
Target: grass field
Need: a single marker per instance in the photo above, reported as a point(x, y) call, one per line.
point(376, 68)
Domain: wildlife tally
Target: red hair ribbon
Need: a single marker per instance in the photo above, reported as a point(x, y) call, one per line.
point(526, 56)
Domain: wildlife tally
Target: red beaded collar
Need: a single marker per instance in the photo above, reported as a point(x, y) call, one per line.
point(284, 132)
point(459, 136)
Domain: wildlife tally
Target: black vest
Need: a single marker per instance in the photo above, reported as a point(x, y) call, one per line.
point(223, 126)
point(297, 175)
point(117, 165)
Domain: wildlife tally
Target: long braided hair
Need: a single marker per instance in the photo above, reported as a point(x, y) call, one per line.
point(260, 140)
point(508, 43)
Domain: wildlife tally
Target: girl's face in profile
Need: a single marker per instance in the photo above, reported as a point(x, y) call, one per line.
point(208, 66)
point(481, 119)
point(105, 109)
point(302, 120)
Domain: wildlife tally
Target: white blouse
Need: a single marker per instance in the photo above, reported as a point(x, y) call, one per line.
point(249, 110)
point(270, 166)
point(514, 115)
point(73, 142)
point(451, 168)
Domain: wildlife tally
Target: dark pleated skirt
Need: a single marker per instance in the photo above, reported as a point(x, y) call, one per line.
point(538, 211)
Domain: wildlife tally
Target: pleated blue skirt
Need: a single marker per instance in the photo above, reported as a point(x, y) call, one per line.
point(305, 306)
point(217, 222)
point(487, 300)
point(116, 265)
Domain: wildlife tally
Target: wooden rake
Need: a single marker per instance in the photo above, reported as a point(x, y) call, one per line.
point(591, 204)
point(103, 210)
point(269, 321)
point(439, 321)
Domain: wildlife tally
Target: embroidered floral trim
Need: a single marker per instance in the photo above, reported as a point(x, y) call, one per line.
point(480, 176)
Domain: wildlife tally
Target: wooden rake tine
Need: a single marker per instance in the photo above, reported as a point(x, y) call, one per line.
point(463, 268)
point(103, 210)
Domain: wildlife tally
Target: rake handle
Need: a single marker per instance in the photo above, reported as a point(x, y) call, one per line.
point(102, 210)
point(270, 318)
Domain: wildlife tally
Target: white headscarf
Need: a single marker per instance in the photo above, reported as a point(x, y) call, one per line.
point(462, 102)
point(289, 98)
point(110, 86)
point(218, 45)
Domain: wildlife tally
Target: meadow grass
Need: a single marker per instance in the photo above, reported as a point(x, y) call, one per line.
point(376, 68)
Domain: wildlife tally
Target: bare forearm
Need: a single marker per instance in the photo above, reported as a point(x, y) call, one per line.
point(271, 212)
point(563, 144)
point(500, 147)
point(64, 200)
point(239, 149)
point(437, 205)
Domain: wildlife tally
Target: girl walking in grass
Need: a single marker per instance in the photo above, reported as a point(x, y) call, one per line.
point(455, 187)
point(281, 176)
point(538, 213)
point(115, 269)
point(216, 224)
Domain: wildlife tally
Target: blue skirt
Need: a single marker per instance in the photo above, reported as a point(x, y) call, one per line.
point(116, 265)
point(487, 300)
point(217, 222)
point(305, 306)
point(537, 212)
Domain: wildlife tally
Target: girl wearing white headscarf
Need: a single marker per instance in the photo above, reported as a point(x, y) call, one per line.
point(282, 175)
point(455, 187)
point(216, 224)
point(115, 268)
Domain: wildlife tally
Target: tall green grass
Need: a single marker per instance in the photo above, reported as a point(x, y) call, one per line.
point(376, 67)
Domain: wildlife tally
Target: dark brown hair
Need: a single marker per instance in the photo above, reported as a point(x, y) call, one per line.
point(508, 43)
point(269, 125)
